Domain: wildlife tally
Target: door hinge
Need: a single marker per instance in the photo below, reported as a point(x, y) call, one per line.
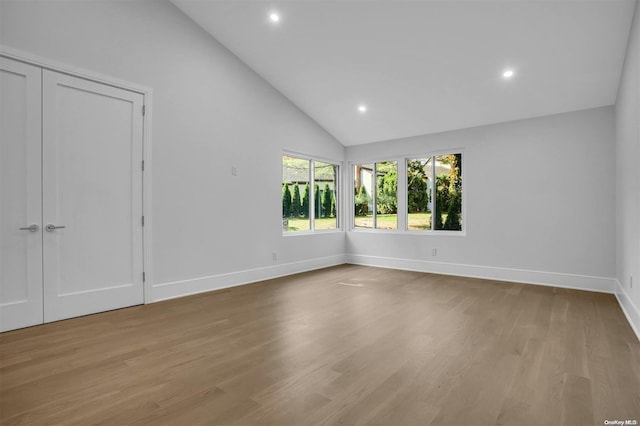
point(144, 110)
point(143, 165)
point(144, 277)
point(142, 220)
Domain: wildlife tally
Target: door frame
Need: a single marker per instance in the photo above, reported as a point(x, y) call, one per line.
point(147, 92)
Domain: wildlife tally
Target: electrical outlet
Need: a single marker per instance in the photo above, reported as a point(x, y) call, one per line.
point(275, 256)
point(234, 171)
point(434, 252)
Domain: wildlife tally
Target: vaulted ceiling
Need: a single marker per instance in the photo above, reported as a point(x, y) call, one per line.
point(426, 66)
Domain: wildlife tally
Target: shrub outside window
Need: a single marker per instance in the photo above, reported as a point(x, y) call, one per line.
point(309, 194)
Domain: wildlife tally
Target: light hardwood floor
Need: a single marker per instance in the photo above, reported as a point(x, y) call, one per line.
point(344, 345)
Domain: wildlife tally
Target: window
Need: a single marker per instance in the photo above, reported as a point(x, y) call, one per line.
point(436, 178)
point(296, 180)
point(363, 189)
point(419, 185)
point(309, 194)
point(376, 195)
point(325, 189)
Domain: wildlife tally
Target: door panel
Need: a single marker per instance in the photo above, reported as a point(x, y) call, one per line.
point(92, 185)
point(20, 195)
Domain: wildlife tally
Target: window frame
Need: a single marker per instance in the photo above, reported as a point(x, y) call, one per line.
point(433, 156)
point(403, 195)
point(312, 159)
point(374, 194)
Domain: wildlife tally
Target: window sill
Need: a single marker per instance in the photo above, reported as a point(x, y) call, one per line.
point(406, 232)
point(317, 232)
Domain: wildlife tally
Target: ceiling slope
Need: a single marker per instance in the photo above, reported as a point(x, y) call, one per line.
point(426, 66)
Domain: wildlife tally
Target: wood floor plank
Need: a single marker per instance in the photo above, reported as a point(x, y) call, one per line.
point(349, 345)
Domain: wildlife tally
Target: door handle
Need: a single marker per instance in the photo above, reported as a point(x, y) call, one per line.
point(51, 228)
point(32, 228)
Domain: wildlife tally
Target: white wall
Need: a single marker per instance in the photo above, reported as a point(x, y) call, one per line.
point(539, 203)
point(628, 179)
point(210, 112)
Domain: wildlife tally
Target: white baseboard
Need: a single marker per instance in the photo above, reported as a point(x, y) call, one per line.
point(553, 279)
point(171, 290)
point(630, 310)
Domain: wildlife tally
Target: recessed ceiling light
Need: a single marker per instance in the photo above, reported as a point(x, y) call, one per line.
point(274, 17)
point(508, 74)
point(362, 108)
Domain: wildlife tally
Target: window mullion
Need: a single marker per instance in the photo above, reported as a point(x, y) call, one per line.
point(433, 193)
point(312, 196)
point(336, 195)
point(374, 195)
point(401, 195)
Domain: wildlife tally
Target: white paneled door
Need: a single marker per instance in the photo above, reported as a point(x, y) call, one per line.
point(92, 196)
point(20, 196)
point(75, 173)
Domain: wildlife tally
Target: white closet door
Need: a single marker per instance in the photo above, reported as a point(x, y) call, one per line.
point(20, 196)
point(92, 196)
